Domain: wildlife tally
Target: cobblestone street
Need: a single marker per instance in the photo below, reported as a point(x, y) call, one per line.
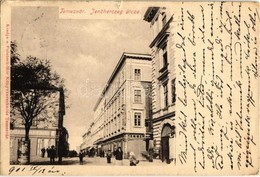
point(35, 160)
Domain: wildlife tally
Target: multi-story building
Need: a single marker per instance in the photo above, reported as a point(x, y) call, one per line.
point(44, 132)
point(98, 125)
point(124, 105)
point(163, 82)
point(40, 138)
point(87, 139)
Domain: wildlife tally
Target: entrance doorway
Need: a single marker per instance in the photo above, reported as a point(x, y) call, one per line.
point(165, 146)
point(165, 149)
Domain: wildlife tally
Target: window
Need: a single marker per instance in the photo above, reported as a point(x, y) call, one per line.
point(164, 20)
point(105, 102)
point(122, 76)
point(137, 74)
point(119, 122)
point(115, 124)
point(173, 91)
point(119, 100)
point(123, 96)
point(165, 92)
point(165, 56)
point(137, 119)
point(118, 82)
point(137, 96)
point(115, 104)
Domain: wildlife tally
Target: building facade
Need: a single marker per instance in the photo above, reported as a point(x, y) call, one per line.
point(121, 111)
point(98, 127)
point(44, 132)
point(87, 143)
point(163, 82)
point(39, 138)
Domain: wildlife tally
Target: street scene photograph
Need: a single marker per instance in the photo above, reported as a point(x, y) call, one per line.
point(130, 88)
point(81, 90)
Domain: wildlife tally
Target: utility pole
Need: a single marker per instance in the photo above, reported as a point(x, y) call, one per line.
point(60, 124)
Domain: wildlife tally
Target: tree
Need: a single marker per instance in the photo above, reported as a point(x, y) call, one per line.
point(33, 84)
point(15, 57)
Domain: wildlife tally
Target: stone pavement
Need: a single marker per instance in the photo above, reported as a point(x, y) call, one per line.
point(93, 161)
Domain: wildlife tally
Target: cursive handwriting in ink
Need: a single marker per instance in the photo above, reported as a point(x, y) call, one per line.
point(202, 144)
point(238, 22)
point(219, 42)
point(191, 17)
point(247, 38)
point(217, 67)
point(202, 28)
point(35, 170)
point(183, 124)
point(240, 57)
point(211, 19)
point(182, 19)
point(211, 49)
point(201, 92)
point(230, 99)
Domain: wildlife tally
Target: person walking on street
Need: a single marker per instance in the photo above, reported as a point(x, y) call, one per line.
point(132, 159)
point(119, 156)
point(48, 151)
point(52, 153)
point(81, 155)
point(109, 155)
point(43, 152)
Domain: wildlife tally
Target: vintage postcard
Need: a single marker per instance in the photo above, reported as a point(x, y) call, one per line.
point(129, 88)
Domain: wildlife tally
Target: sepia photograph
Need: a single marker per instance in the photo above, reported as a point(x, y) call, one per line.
point(142, 88)
point(81, 91)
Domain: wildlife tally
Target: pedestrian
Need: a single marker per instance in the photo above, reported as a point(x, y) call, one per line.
point(101, 153)
point(81, 155)
point(48, 152)
point(52, 153)
point(43, 152)
point(132, 159)
point(109, 156)
point(114, 152)
point(119, 156)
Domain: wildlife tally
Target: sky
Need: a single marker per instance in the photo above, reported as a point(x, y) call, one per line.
point(83, 51)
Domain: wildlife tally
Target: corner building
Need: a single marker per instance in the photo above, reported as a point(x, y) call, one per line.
point(123, 107)
point(43, 132)
point(163, 82)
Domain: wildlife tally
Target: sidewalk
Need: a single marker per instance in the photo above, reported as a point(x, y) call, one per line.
point(93, 161)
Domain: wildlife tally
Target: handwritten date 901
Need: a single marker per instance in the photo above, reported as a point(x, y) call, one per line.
point(35, 170)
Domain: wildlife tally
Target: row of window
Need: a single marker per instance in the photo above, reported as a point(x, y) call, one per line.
point(118, 123)
point(120, 79)
point(165, 92)
point(163, 70)
point(115, 105)
point(120, 95)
